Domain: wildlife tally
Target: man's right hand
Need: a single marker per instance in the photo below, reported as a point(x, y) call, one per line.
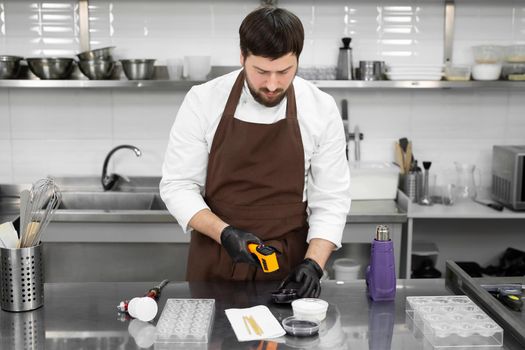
point(236, 242)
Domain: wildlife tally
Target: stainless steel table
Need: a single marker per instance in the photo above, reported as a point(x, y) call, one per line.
point(84, 316)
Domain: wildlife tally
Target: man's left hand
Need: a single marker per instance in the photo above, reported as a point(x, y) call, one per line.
point(307, 275)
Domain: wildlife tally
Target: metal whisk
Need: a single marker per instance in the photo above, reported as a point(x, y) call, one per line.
point(44, 199)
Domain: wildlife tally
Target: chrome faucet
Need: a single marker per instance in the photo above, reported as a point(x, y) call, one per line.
point(109, 181)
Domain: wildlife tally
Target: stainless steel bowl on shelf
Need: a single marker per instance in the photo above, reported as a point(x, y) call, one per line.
point(138, 69)
point(104, 53)
point(97, 69)
point(9, 66)
point(51, 68)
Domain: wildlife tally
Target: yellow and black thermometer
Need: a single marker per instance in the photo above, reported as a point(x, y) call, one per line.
point(267, 256)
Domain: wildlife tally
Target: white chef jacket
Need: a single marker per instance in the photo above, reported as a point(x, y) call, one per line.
point(326, 173)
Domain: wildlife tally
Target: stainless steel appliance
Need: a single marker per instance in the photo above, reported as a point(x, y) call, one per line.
point(508, 176)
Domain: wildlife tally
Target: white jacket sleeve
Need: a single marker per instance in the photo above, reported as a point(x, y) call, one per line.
point(328, 191)
point(185, 162)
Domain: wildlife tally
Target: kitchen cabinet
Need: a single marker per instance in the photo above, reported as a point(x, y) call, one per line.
point(116, 247)
point(465, 231)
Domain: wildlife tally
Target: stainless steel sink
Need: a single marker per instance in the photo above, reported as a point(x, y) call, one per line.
point(83, 200)
point(149, 184)
point(110, 201)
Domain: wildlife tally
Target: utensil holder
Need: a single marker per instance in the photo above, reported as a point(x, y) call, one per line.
point(22, 279)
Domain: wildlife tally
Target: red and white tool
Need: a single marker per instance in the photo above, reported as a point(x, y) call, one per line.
point(143, 308)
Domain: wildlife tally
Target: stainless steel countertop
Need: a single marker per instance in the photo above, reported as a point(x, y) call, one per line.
point(83, 316)
point(361, 211)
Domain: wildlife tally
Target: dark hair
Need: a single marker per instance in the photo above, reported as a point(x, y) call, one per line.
point(271, 32)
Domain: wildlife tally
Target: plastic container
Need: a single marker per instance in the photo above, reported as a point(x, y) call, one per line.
point(300, 327)
point(373, 180)
point(488, 54)
point(486, 71)
point(513, 71)
point(452, 321)
point(515, 54)
point(346, 269)
point(310, 309)
point(186, 321)
point(457, 73)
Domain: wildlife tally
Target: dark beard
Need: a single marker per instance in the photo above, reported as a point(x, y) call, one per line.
point(259, 98)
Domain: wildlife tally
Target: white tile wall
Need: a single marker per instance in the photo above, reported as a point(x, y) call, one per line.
point(60, 114)
point(5, 124)
point(69, 132)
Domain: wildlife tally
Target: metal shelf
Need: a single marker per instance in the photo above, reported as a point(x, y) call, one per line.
point(99, 84)
point(417, 84)
point(322, 84)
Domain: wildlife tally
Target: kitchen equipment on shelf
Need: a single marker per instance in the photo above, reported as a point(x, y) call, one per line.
point(381, 274)
point(175, 68)
point(51, 68)
point(97, 69)
point(508, 175)
point(515, 54)
point(138, 69)
point(9, 66)
point(197, 68)
point(457, 72)
point(487, 54)
point(97, 64)
point(371, 70)
point(344, 61)
point(425, 194)
point(513, 71)
point(103, 53)
point(465, 180)
point(317, 72)
point(414, 72)
point(486, 71)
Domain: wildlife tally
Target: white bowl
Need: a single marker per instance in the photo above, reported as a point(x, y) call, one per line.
point(486, 71)
point(310, 309)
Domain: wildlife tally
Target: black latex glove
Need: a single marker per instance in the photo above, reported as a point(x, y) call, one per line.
point(236, 241)
point(307, 275)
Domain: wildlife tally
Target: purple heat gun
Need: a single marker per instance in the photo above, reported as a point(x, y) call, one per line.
point(381, 273)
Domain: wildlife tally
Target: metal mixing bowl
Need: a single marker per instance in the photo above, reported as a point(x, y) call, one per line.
point(138, 69)
point(9, 66)
point(97, 69)
point(104, 53)
point(51, 68)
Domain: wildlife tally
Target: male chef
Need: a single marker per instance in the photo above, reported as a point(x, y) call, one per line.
point(258, 156)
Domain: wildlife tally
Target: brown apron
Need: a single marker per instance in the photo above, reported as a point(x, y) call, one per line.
point(255, 182)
